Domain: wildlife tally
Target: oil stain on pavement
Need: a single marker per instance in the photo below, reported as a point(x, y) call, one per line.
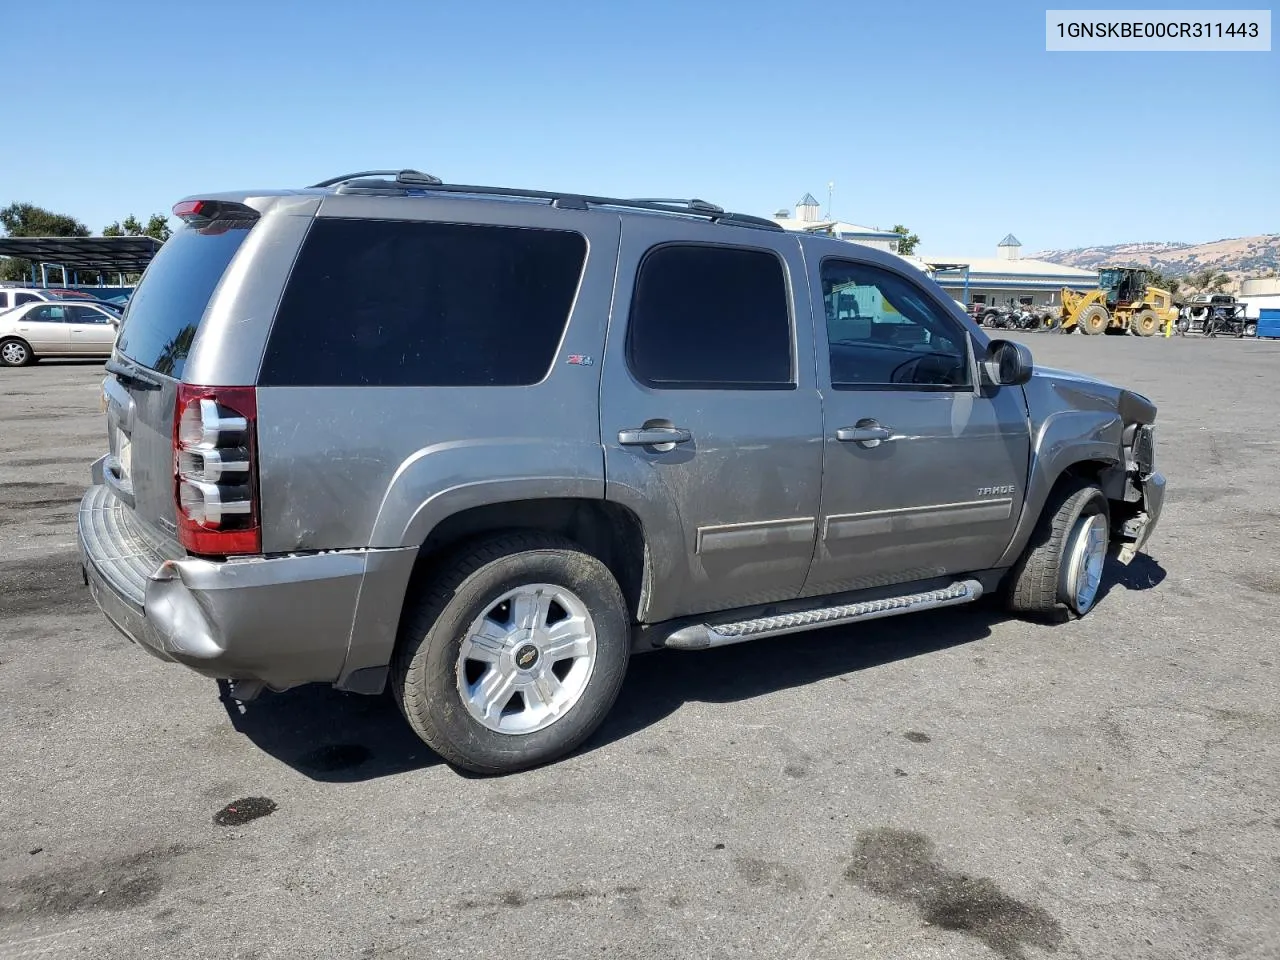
point(241, 811)
point(900, 865)
point(119, 883)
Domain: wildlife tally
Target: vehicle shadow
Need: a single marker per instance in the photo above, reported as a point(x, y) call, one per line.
point(338, 737)
point(1142, 573)
point(660, 683)
point(331, 736)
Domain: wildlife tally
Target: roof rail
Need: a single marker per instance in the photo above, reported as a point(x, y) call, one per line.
point(402, 176)
point(695, 206)
point(408, 182)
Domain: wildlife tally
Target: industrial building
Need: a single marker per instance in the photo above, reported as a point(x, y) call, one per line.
point(808, 219)
point(1008, 277)
point(1259, 293)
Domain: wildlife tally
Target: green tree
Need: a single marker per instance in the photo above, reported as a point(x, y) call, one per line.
point(1164, 281)
point(1207, 280)
point(157, 226)
point(28, 220)
point(907, 245)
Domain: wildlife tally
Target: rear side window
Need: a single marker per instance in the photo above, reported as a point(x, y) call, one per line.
point(710, 317)
point(165, 310)
point(393, 303)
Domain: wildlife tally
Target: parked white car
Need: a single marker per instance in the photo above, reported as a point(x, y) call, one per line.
point(58, 328)
point(11, 297)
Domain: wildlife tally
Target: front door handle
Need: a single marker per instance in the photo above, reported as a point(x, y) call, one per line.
point(664, 438)
point(868, 433)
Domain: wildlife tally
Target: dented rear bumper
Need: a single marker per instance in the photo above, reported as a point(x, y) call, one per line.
point(279, 620)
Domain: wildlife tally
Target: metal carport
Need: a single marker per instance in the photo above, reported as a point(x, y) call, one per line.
point(119, 255)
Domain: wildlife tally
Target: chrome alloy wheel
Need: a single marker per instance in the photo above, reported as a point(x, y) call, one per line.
point(14, 353)
point(527, 659)
point(1086, 556)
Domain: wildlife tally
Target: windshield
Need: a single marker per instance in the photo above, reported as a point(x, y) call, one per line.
point(165, 310)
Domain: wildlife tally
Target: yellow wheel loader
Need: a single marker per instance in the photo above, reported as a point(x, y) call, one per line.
point(1123, 303)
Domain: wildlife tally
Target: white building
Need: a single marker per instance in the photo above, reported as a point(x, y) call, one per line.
point(1259, 293)
point(808, 220)
point(1008, 277)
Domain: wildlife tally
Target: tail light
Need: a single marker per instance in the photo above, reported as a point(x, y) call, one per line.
point(215, 466)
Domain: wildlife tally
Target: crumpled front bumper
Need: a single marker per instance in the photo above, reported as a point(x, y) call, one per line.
point(1137, 531)
point(280, 620)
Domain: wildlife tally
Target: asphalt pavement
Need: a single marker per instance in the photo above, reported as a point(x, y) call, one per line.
point(957, 784)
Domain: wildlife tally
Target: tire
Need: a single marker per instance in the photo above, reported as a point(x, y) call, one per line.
point(440, 688)
point(1062, 565)
point(16, 353)
point(988, 319)
point(1251, 329)
point(1093, 320)
point(1145, 323)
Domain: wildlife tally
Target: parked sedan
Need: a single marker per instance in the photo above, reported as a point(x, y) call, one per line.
point(55, 329)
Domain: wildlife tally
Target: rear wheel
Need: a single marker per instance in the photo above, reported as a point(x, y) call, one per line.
point(1144, 323)
point(15, 353)
point(1093, 319)
point(513, 655)
point(1062, 565)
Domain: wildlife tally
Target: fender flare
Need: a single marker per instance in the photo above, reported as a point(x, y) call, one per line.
point(1065, 439)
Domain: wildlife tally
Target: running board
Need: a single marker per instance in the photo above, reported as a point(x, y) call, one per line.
point(700, 636)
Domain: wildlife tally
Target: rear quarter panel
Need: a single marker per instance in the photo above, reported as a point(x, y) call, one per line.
point(381, 466)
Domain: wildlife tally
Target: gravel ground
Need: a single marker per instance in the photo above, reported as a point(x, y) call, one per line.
point(949, 785)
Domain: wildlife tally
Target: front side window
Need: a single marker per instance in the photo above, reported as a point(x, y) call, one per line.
point(87, 315)
point(711, 317)
point(414, 303)
point(883, 331)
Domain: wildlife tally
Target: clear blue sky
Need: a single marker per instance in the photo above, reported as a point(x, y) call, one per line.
point(948, 117)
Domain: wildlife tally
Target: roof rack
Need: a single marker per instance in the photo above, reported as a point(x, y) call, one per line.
point(402, 176)
point(411, 183)
point(697, 206)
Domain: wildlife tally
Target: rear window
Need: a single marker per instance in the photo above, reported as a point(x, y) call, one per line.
point(165, 310)
point(407, 303)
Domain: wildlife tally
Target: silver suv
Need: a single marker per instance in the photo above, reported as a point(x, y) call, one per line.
point(483, 444)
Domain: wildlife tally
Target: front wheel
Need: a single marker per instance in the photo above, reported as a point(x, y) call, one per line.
point(1062, 565)
point(1250, 329)
point(1093, 320)
point(514, 654)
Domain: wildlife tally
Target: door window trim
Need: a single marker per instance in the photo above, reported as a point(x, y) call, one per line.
point(962, 331)
point(724, 385)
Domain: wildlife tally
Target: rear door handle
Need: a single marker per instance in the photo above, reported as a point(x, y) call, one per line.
point(866, 432)
point(660, 437)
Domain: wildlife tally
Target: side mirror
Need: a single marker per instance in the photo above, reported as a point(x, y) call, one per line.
point(1008, 363)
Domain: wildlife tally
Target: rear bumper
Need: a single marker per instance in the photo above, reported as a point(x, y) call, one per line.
point(281, 620)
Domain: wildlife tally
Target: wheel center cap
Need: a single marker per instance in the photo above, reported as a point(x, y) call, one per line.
point(526, 656)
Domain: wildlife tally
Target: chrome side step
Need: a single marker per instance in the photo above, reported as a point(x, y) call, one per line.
point(700, 636)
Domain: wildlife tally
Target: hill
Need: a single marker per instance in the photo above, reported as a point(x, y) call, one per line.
point(1239, 257)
